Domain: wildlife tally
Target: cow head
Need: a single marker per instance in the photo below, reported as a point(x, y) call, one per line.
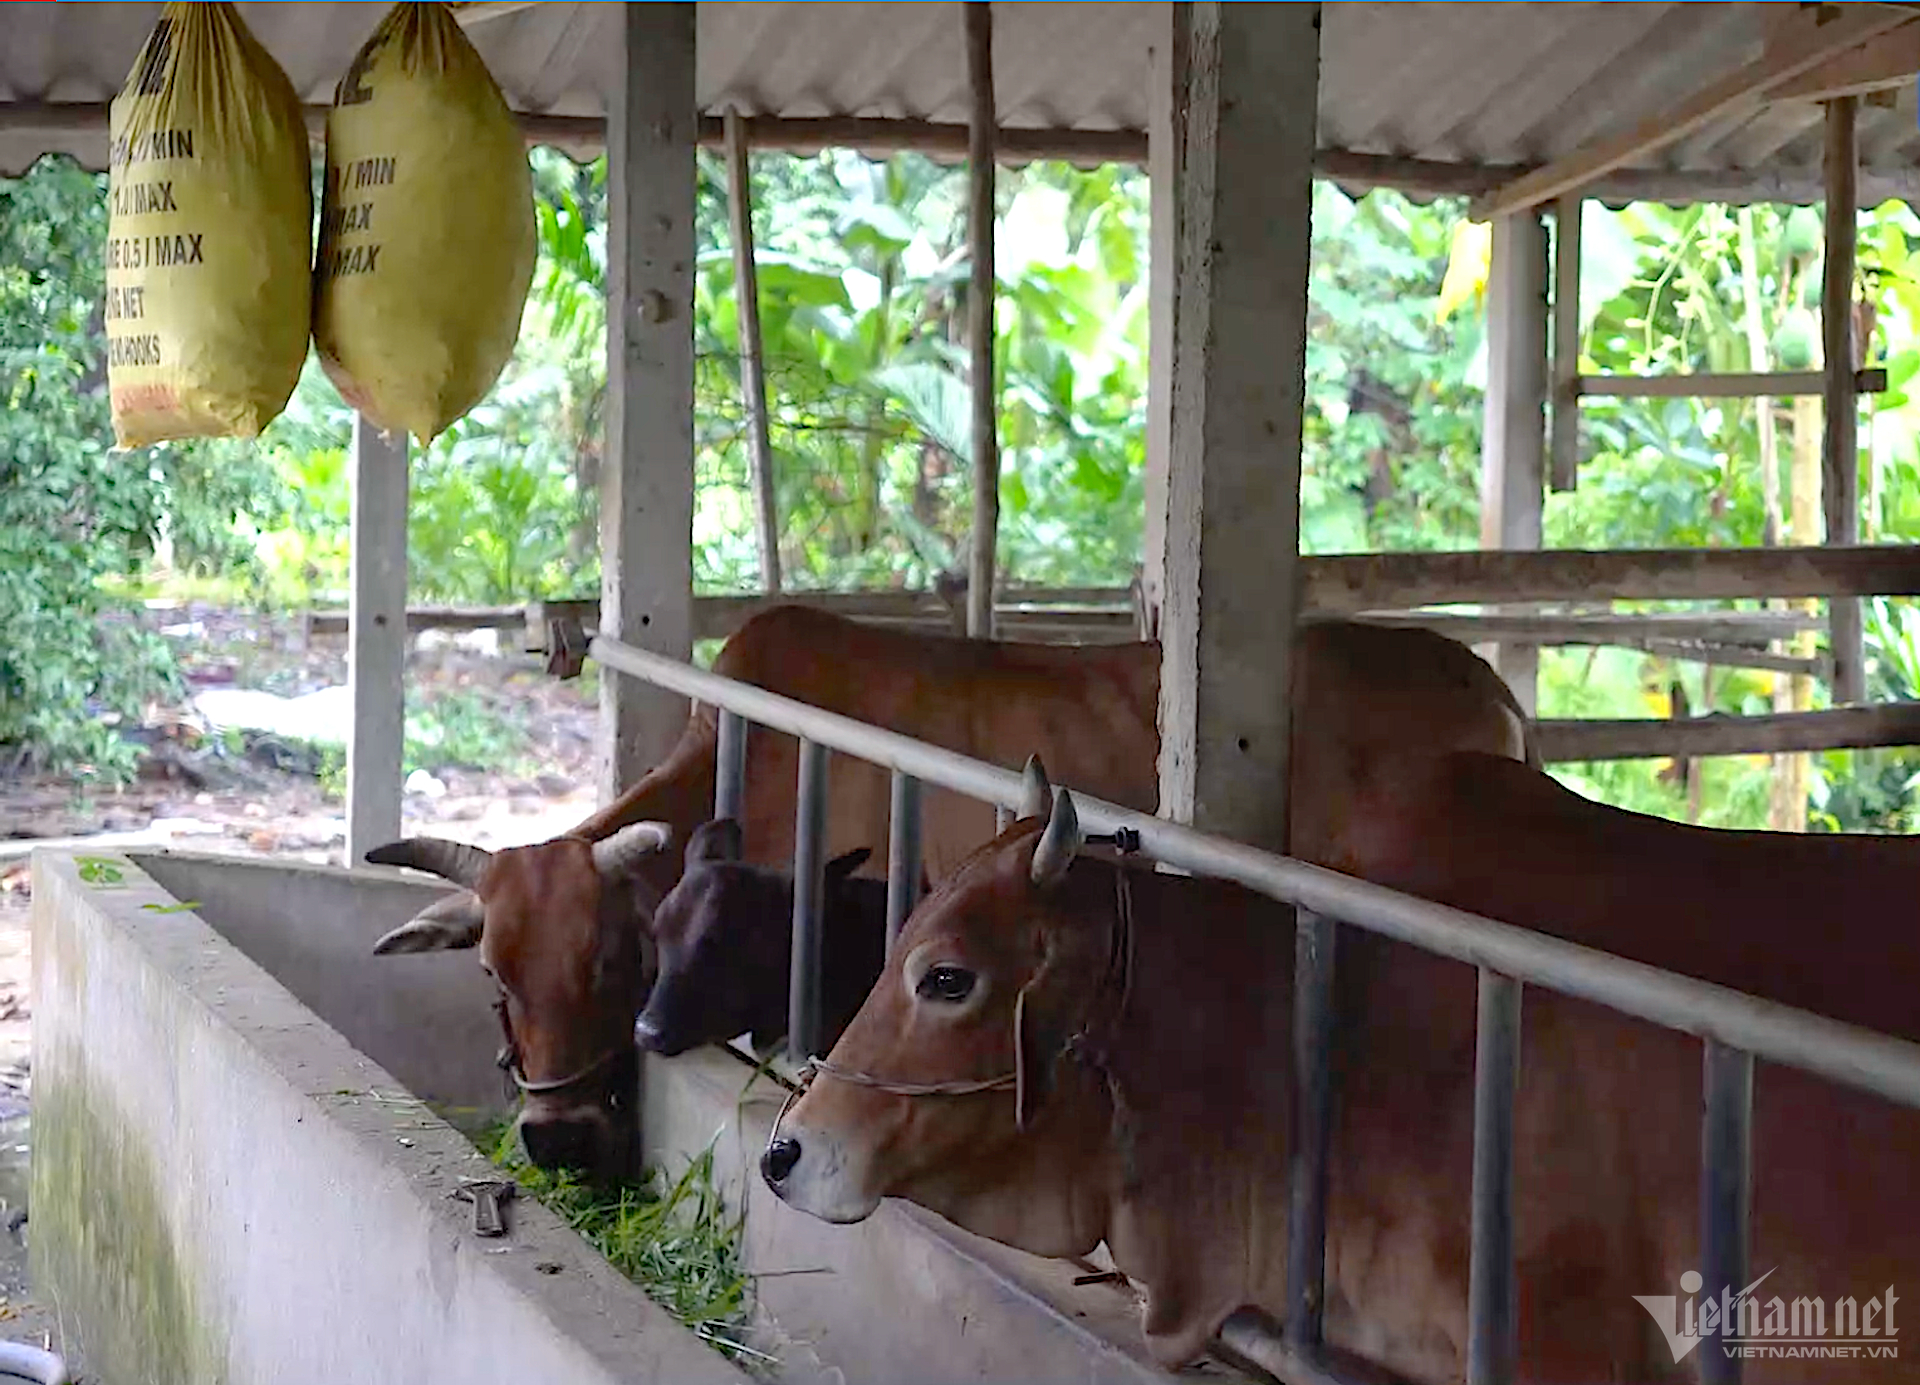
point(723, 938)
point(556, 930)
point(993, 974)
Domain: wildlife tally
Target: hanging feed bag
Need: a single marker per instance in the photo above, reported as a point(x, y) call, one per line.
point(209, 234)
point(426, 227)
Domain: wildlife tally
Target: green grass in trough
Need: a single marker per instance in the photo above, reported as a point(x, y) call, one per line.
point(674, 1238)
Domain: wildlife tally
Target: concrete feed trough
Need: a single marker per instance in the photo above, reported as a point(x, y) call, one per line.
point(227, 1189)
point(235, 1178)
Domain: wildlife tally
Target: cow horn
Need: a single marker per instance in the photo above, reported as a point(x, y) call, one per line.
point(1057, 843)
point(443, 926)
point(459, 862)
point(617, 855)
point(1036, 794)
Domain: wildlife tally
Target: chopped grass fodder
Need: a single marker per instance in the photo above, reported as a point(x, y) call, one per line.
point(674, 1238)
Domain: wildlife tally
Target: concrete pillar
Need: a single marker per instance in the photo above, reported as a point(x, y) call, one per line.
point(377, 638)
point(1232, 511)
point(1514, 445)
point(1166, 141)
point(646, 489)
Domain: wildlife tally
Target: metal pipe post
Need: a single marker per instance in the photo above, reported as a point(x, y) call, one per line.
point(1726, 1181)
point(1313, 950)
point(903, 853)
point(730, 768)
point(1492, 1316)
point(809, 856)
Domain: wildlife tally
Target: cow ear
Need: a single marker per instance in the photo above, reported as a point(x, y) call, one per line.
point(840, 867)
point(1036, 794)
point(446, 925)
point(719, 840)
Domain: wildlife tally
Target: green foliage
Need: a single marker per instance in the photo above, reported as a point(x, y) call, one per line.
point(71, 513)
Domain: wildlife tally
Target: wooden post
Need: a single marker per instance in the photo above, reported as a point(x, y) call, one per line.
point(1513, 457)
point(1166, 148)
point(1564, 470)
point(1840, 471)
point(377, 635)
point(1233, 505)
point(753, 370)
point(980, 299)
point(646, 499)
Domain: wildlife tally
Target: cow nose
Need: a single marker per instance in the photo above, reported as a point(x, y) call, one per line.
point(779, 1159)
point(560, 1144)
point(646, 1032)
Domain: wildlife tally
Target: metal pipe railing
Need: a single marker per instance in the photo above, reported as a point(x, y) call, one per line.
point(809, 905)
point(1736, 1027)
point(903, 853)
point(730, 768)
point(1842, 1053)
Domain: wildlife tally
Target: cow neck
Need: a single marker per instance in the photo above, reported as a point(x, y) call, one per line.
point(1200, 1092)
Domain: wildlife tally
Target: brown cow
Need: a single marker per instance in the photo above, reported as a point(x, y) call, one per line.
point(1090, 712)
point(1094, 1081)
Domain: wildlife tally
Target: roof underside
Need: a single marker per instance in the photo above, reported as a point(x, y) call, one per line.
point(1485, 88)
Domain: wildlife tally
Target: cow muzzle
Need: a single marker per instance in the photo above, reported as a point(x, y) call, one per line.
point(580, 1139)
point(815, 1173)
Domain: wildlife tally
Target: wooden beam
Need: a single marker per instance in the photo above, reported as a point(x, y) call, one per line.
point(1888, 61)
point(1388, 581)
point(981, 295)
point(377, 655)
point(1840, 456)
point(1785, 384)
point(1724, 629)
point(1233, 506)
point(1563, 460)
point(1845, 728)
point(753, 375)
point(646, 499)
point(1814, 34)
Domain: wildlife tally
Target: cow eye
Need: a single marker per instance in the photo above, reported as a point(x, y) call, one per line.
point(951, 984)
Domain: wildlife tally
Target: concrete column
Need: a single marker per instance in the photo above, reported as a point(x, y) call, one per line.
point(1514, 446)
point(646, 489)
point(377, 638)
point(1233, 490)
point(1166, 141)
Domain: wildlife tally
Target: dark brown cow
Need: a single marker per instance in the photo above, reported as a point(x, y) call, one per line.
point(1090, 712)
point(1099, 1083)
point(724, 939)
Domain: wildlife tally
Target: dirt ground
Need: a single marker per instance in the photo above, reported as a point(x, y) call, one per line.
point(204, 788)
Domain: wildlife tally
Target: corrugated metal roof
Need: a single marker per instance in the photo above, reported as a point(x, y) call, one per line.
point(1473, 85)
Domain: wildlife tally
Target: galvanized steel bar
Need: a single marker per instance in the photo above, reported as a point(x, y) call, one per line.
point(730, 767)
point(1841, 1053)
point(903, 853)
point(809, 856)
point(1313, 952)
point(1726, 1184)
point(1492, 1304)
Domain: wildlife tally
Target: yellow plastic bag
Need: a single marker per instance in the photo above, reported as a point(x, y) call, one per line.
point(209, 234)
point(426, 227)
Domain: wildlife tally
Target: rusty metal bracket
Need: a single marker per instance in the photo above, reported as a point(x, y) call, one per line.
point(489, 1197)
point(566, 647)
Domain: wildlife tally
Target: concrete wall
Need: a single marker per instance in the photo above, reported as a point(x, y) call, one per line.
point(225, 1190)
point(904, 1295)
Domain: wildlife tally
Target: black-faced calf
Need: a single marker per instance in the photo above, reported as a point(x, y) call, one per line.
point(724, 936)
